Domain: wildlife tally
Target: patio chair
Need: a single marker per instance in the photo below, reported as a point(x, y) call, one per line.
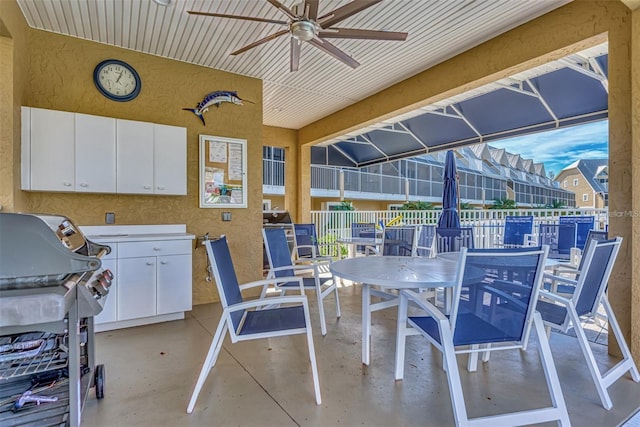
point(572, 270)
point(307, 246)
point(559, 237)
point(454, 239)
point(426, 241)
point(562, 313)
point(365, 230)
point(516, 228)
point(583, 225)
point(397, 241)
point(281, 266)
point(491, 311)
point(249, 319)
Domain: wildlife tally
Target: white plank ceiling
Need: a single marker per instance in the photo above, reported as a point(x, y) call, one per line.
point(438, 30)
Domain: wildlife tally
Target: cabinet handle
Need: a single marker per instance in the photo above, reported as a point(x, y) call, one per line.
point(149, 263)
point(164, 262)
point(84, 184)
point(160, 187)
point(67, 184)
point(147, 187)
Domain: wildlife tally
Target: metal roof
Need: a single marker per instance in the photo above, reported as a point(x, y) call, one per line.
point(566, 92)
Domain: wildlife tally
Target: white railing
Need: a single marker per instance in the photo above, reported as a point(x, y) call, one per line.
point(488, 224)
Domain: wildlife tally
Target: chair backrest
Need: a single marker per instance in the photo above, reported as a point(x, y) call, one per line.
point(496, 294)
point(225, 276)
point(594, 276)
point(583, 225)
point(454, 239)
point(277, 248)
point(515, 228)
point(426, 239)
point(592, 236)
point(399, 241)
point(305, 236)
point(363, 229)
point(559, 237)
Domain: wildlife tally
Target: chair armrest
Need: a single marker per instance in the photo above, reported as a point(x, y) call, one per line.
point(420, 300)
point(296, 266)
point(263, 282)
point(256, 303)
point(321, 260)
point(554, 297)
point(559, 279)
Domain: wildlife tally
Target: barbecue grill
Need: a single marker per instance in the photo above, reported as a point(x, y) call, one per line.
point(51, 286)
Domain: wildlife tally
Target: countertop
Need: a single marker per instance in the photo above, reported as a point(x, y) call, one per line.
point(136, 233)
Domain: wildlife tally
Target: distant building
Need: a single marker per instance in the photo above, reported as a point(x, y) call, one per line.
point(589, 180)
point(485, 174)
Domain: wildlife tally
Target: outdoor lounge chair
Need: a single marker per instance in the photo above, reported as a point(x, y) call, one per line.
point(307, 246)
point(516, 228)
point(559, 237)
point(493, 309)
point(584, 224)
point(562, 313)
point(281, 266)
point(426, 241)
point(397, 241)
point(251, 319)
point(454, 239)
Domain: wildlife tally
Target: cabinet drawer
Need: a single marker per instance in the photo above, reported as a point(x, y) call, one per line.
point(154, 248)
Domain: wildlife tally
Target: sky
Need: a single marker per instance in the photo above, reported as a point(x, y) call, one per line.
point(561, 147)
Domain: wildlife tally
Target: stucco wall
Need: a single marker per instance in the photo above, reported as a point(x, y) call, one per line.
point(58, 75)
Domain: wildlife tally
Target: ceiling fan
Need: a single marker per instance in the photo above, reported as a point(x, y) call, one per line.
point(304, 25)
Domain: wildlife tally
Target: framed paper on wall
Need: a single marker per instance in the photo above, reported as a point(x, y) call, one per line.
point(223, 172)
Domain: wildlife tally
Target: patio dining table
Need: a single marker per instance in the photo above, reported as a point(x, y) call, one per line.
point(391, 272)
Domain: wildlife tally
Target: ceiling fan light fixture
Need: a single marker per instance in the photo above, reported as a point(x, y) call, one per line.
point(303, 30)
point(163, 3)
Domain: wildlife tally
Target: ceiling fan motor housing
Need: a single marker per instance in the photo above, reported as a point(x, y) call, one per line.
point(303, 30)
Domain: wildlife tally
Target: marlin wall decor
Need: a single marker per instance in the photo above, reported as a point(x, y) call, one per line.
point(216, 98)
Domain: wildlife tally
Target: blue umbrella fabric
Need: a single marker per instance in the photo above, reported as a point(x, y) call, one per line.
point(449, 217)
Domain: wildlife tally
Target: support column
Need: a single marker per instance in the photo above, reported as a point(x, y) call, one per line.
point(304, 183)
point(624, 174)
point(635, 164)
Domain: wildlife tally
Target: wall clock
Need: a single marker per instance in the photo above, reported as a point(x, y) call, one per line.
point(117, 80)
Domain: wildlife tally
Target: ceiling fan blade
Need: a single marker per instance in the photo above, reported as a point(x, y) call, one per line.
point(332, 50)
point(246, 18)
point(295, 54)
point(353, 33)
point(342, 13)
point(259, 42)
point(284, 9)
point(312, 5)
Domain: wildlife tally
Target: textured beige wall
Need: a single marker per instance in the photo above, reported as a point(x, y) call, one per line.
point(634, 262)
point(59, 75)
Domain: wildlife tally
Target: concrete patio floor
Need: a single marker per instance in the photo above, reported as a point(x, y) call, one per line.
point(151, 371)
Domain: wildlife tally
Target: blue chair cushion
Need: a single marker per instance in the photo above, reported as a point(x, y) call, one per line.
point(552, 313)
point(270, 320)
point(307, 282)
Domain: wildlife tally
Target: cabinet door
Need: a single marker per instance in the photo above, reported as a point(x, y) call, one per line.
point(95, 154)
point(136, 282)
point(134, 152)
point(170, 160)
point(109, 311)
point(52, 150)
point(174, 284)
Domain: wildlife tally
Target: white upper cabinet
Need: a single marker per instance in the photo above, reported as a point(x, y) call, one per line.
point(95, 154)
point(135, 157)
point(73, 152)
point(51, 150)
point(170, 159)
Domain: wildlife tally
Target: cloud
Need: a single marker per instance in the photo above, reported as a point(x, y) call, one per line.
point(561, 147)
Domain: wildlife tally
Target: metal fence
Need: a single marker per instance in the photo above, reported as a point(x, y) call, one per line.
point(488, 224)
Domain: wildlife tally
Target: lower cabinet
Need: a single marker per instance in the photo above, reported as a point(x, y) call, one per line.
point(152, 283)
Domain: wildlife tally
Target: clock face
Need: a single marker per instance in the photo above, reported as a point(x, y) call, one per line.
point(117, 80)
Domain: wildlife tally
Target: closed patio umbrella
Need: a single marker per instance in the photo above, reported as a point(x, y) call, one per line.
point(449, 217)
